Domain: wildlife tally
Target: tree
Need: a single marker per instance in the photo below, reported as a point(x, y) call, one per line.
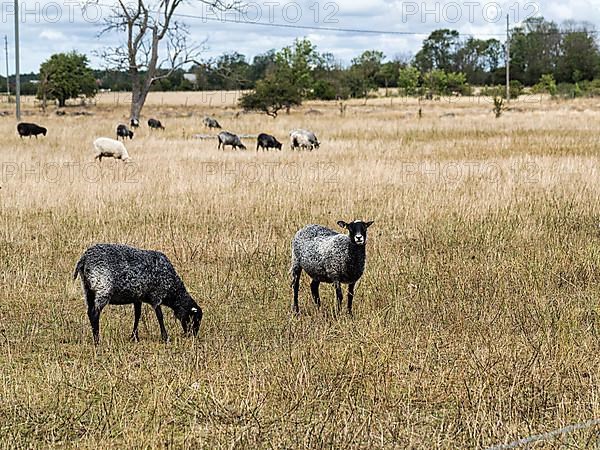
point(408, 79)
point(546, 85)
point(271, 95)
point(288, 82)
point(365, 69)
point(148, 27)
point(438, 51)
point(478, 59)
point(442, 83)
point(534, 50)
point(65, 76)
point(575, 42)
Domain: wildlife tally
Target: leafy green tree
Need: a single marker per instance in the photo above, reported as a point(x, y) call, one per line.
point(547, 85)
point(65, 76)
point(534, 50)
point(478, 59)
point(442, 83)
point(289, 81)
point(438, 51)
point(364, 70)
point(271, 95)
point(388, 75)
point(572, 65)
point(408, 79)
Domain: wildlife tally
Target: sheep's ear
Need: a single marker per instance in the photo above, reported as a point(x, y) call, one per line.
point(342, 224)
point(368, 224)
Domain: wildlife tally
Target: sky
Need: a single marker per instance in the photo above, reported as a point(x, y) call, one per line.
point(52, 26)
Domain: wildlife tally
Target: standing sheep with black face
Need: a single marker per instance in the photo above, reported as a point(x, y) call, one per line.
point(121, 275)
point(329, 257)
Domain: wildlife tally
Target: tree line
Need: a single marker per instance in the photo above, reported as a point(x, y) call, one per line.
point(558, 59)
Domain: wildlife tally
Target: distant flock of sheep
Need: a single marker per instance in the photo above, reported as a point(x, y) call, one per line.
point(105, 147)
point(121, 275)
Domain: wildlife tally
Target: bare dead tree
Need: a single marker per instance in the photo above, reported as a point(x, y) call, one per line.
point(152, 29)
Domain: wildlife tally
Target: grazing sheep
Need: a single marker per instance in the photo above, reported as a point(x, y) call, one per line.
point(266, 141)
point(110, 148)
point(124, 132)
point(227, 138)
point(329, 257)
point(134, 123)
point(30, 129)
point(122, 275)
point(155, 123)
point(303, 139)
point(211, 123)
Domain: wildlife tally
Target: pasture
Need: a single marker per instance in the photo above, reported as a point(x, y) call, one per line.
point(476, 321)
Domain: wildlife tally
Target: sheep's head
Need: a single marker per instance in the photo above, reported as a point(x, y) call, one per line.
point(357, 230)
point(191, 319)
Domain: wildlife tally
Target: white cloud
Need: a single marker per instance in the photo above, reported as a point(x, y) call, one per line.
point(53, 35)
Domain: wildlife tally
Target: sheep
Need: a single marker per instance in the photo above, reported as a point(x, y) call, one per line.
point(134, 123)
point(329, 257)
point(227, 138)
point(123, 131)
point(121, 275)
point(110, 148)
point(30, 129)
point(155, 123)
point(210, 122)
point(303, 139)
point(266, 141)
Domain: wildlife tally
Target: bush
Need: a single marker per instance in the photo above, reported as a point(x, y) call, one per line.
point(516, 89)
point(546, 85)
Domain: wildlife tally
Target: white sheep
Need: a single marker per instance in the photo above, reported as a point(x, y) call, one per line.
point(110, 148)
point(303, 139)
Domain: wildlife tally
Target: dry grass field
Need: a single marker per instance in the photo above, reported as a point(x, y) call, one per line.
point(476, 322)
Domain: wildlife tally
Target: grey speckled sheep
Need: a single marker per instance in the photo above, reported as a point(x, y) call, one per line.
point(329, 257)
point(120, 275)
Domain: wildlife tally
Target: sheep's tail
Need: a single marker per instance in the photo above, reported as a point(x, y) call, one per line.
point(78, 267)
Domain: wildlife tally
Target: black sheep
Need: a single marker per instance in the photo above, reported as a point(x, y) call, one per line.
point(266, 141)
point(155, 123)
point(124, 132)
point(122, 275)
point(30, 129)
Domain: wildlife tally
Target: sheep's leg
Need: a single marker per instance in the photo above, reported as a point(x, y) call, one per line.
point(339, 295)
point(137, 313)
point(93, 313)
point(350, 297)
point(94, 316)
point(314, 289)
point(296, 285)
point(161, 323)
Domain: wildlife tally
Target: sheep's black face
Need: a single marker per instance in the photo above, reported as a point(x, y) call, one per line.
point(278, 145)
point(357, 230)
point(191, 322)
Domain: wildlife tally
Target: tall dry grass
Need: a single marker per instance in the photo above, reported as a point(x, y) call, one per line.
point(476, 321)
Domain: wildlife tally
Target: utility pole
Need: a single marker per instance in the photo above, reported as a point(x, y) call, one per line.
point(507, 58)
point(17, 74)
point(7, 82)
